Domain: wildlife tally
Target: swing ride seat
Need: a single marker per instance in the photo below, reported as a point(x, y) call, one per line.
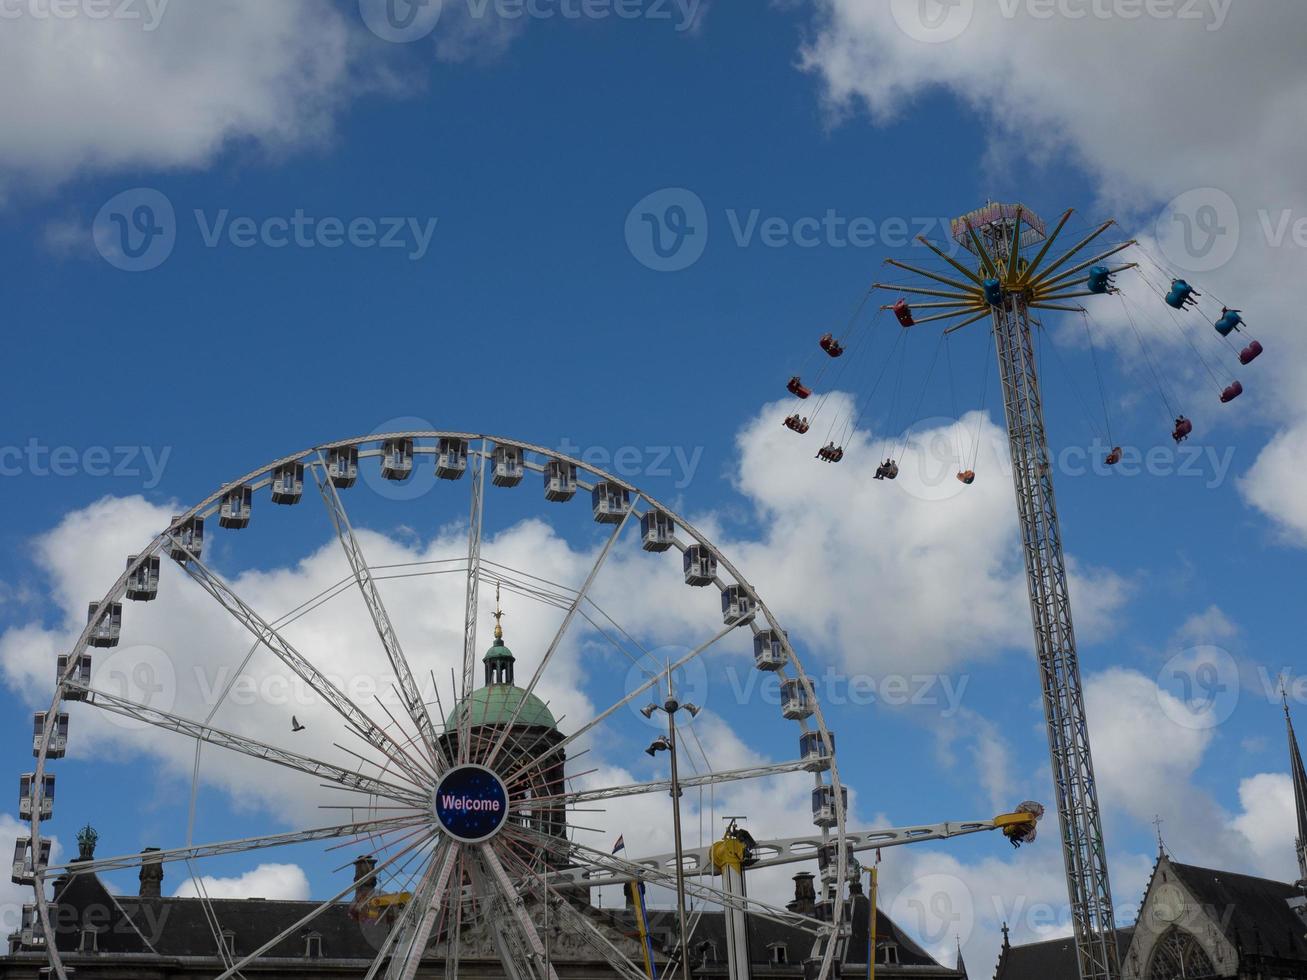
point(1114, 456)
point(1231, 392)
point(887, 470)
point(1229, 322)
point(1183, 427)
point(993, 292)
point(796, 424)
point(1100, 279)
point(1250, 353)
point(830, 345)
point(967, 476)
point(831, 453)
point(904, 313)
point(796, 387)
point(1181, 294)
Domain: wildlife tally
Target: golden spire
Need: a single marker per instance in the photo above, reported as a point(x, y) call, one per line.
point(499, 614)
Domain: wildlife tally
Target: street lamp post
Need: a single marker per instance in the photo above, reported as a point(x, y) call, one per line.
point(667, 743)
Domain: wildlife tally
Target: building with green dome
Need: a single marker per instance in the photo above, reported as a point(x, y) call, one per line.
point(529, 748)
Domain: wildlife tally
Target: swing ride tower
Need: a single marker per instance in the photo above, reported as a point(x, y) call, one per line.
point(1014, 276)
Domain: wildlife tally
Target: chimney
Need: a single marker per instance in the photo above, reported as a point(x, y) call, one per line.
point(151, 875)
point(363, 865)
point(805, 895)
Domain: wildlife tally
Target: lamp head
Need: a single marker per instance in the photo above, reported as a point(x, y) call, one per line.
point(660, 744)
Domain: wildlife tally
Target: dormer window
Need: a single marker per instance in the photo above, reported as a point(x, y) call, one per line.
point(229, 942)
point(313, 945)
point(778, 954)
point(89, 942)
point(888, 954)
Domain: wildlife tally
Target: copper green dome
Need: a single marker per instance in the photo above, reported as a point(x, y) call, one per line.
point(495, 705)
point(498, 651)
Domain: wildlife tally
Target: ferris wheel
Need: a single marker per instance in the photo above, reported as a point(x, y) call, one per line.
point(465, 803)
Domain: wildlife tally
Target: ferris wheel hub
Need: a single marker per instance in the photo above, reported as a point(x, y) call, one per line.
point(470, 803)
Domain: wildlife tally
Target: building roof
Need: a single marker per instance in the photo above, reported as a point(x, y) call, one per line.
point(1052, 959)
point(887, 931)
point(1254, 912)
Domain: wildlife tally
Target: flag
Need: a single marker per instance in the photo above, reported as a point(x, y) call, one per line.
point(621, 843)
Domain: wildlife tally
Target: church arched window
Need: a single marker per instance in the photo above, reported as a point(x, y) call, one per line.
point(1178, 956)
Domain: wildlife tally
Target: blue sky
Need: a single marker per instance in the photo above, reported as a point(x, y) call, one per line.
point(531, 314)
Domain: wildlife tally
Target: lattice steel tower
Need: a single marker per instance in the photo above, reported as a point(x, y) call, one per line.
point(1007, 284)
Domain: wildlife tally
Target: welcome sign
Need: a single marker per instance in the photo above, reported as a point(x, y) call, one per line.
point(471, 803)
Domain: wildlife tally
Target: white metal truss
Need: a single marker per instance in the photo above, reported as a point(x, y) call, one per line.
point(253, 747)
point(561, 631)
point(308, 917)
point(697, 861)
point(359, 721)
point(1055, 647)
point(408, 689)
point(415, 932)
point(508, 892)
point(665, 785)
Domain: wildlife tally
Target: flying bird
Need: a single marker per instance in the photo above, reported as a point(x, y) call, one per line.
point(295, 725)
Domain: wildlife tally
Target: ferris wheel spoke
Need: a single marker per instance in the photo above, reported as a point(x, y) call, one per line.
point(304, 920)
point(357, 829)
point(562, 630)
point(251, 747)
point(265, 633)
point(476, 512)
point(454, 933)
point(408, 689)
point(408, 939)
point(588, 930)
point(665, 785)
point(603, 716)
point(509, 894)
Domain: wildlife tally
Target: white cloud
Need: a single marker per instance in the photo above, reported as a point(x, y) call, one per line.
point(86, 94)
point(1209, 626)
point(1267, 823)
point(273, 881)
point(1274, 484)
point(920, 574)
point(1143, 761)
